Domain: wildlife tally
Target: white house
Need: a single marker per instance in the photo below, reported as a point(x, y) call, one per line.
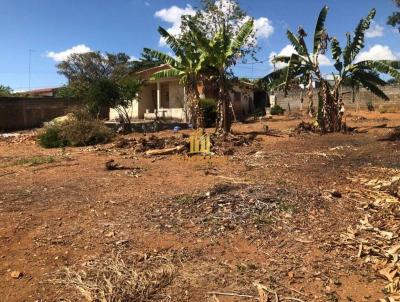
point(166, 98)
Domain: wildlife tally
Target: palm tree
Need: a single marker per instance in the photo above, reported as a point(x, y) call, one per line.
point(185, 65)
point(218, 55)
point(303, 66)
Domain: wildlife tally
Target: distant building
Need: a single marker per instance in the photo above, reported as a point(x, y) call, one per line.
point(43, 92)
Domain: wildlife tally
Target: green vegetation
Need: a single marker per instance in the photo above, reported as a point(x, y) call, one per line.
point(6, 91)
point(102, 81)
point(79, 130)
point(34, 161)
point(209, 109)
point(51, 137)
point(277, 110)
point(382, 110)
point(213, 41)
point(186, 66)
point(30, 161)
point(303, 68)
point(394, 19)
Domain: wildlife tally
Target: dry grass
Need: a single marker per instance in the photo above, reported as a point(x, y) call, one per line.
point(136, 278)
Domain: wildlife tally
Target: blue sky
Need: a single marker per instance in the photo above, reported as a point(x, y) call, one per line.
point(54, 28)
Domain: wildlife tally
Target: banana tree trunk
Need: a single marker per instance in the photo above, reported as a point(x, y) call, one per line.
point(224, 118)
point(195, 113)
point(329, 116)
point(310, 109)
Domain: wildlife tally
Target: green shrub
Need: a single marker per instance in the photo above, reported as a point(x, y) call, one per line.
point(79, 130)
point(84, 130)
point(382, 110)
point(370, 106)
point(51, 137)
point(277, 110)
point(209, 108)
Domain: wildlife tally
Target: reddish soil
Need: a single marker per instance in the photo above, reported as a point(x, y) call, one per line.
point(59, 214)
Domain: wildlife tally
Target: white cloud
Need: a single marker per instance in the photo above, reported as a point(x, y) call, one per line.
point(324, 60)
point(147, 3)
point(288, 50)
point(64, 55)
point(377, 52)
point(264, 28)
point(173, 16)
point(374, 31)
point(226, 6)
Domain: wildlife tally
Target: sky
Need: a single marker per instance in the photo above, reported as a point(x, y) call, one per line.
point(43, 32)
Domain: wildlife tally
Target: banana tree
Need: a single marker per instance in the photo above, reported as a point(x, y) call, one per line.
point(218, 55)
point(361, 73)
point(303, 66)
point(185, 65)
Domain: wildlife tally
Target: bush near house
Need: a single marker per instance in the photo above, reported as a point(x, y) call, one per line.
point(81, 129)
point(277, 110)
point(209, 108)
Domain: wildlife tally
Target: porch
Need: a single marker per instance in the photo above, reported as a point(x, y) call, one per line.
point(162, 100)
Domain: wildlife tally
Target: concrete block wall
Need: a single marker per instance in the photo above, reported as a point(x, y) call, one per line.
point(18, 113)
point(293, 98)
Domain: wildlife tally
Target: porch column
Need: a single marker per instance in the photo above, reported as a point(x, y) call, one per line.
point(158, 96)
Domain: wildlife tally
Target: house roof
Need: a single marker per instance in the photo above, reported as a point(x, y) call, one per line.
point(145, 74)
point(42, 90)
point(154, 69)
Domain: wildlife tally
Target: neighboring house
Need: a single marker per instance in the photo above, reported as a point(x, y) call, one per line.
point(165, 98)
point(44, 92)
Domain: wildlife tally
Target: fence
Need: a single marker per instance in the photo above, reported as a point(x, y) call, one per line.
point(362, 97)
point(17, 113)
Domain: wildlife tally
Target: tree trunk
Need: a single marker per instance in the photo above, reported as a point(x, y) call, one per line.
point(193, 100)
point(224, 117)
point(310, 109)
point(329, 116)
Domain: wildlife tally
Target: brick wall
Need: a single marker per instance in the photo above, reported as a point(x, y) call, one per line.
point(24, 113)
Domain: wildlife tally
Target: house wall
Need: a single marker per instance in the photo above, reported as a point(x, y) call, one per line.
point(176, 95)
point(18, 113)
point(242, 100)
point(146, 100)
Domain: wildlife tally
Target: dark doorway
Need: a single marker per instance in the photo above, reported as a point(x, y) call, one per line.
point(261, 101)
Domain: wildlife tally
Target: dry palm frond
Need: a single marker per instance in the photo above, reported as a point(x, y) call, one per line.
point(117, 279)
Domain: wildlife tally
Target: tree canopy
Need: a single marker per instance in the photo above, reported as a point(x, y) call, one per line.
point(394, 19)
point(6, 91)
point(303, 66)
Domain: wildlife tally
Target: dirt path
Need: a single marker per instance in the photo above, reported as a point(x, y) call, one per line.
point(273, 213)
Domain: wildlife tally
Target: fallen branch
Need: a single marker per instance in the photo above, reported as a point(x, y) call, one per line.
point(234, 180)
point(164, 151)
point(303, 240)
point(291, 299)
point(292, 289)
point(5, 174)
point(231, 295)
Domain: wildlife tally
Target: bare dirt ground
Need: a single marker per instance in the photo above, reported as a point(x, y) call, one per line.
point(309, 217)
